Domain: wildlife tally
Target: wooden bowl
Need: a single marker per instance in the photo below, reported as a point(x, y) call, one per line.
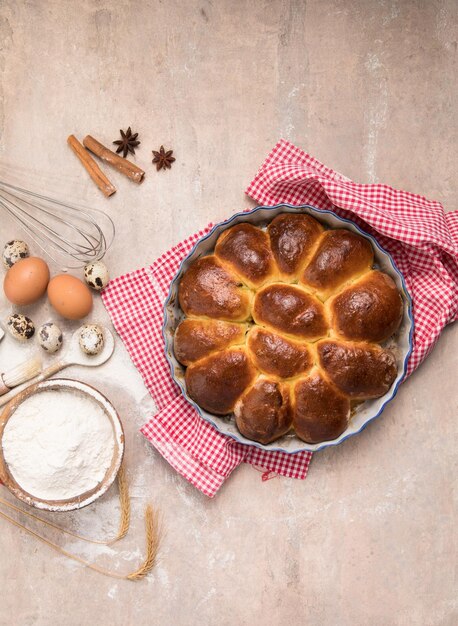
point(118, 435)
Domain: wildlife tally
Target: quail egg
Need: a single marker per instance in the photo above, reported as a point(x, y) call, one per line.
point(91, 339)
point(96, 275)
point(13, 251)
point(20, 327)
point(50, 337)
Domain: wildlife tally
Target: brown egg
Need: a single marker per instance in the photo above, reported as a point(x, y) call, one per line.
point(26, 281)
point(70, 297)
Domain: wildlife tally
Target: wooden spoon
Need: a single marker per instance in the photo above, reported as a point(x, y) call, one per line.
point(73, 356)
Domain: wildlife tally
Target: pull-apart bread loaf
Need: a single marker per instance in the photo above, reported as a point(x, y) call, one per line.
point(283, 328)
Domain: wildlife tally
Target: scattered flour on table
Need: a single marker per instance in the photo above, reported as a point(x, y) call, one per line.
point(58, 444)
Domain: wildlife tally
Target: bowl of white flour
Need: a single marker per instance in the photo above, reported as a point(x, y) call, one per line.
point(61, 445)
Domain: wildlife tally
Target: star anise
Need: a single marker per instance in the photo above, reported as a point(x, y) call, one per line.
point(128, 142)
point(162, 159)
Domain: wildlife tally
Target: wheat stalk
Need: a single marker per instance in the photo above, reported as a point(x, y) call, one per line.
point(152, 532)
point(153, 539)
point(124, 501)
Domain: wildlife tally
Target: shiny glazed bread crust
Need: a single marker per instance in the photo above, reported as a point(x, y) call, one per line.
point(283, 328)
point(370, 309)
point(209, 289)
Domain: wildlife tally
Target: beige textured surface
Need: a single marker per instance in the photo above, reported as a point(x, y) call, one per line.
point(370, 88)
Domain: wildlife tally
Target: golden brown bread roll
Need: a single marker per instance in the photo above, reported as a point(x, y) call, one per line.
point(292, 238)
point(263, 413)
point(360, 370)
point(245, 249)
point(370, 309)
point(291, 310)
point(217, 381)
point(277, 355)
point(341, 255)
point(196, 338)
point(208, 289)
point(320, 411)
point(283, 328)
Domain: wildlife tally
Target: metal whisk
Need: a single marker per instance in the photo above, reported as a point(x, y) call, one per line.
point(62, 230)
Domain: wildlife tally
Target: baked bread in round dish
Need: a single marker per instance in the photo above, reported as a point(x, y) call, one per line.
point(284, 328)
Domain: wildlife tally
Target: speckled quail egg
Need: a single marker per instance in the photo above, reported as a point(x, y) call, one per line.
point(20, 327)
point(50, 337)
point(96, 275)
point(91, 339)
point(13, 251)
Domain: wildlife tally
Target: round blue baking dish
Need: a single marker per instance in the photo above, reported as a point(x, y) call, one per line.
point(401, 344)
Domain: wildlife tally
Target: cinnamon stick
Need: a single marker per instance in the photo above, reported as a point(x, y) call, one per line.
point(122, 165)
point(94, 171)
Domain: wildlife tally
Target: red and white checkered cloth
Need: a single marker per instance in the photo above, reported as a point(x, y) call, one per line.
point(422, 239)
